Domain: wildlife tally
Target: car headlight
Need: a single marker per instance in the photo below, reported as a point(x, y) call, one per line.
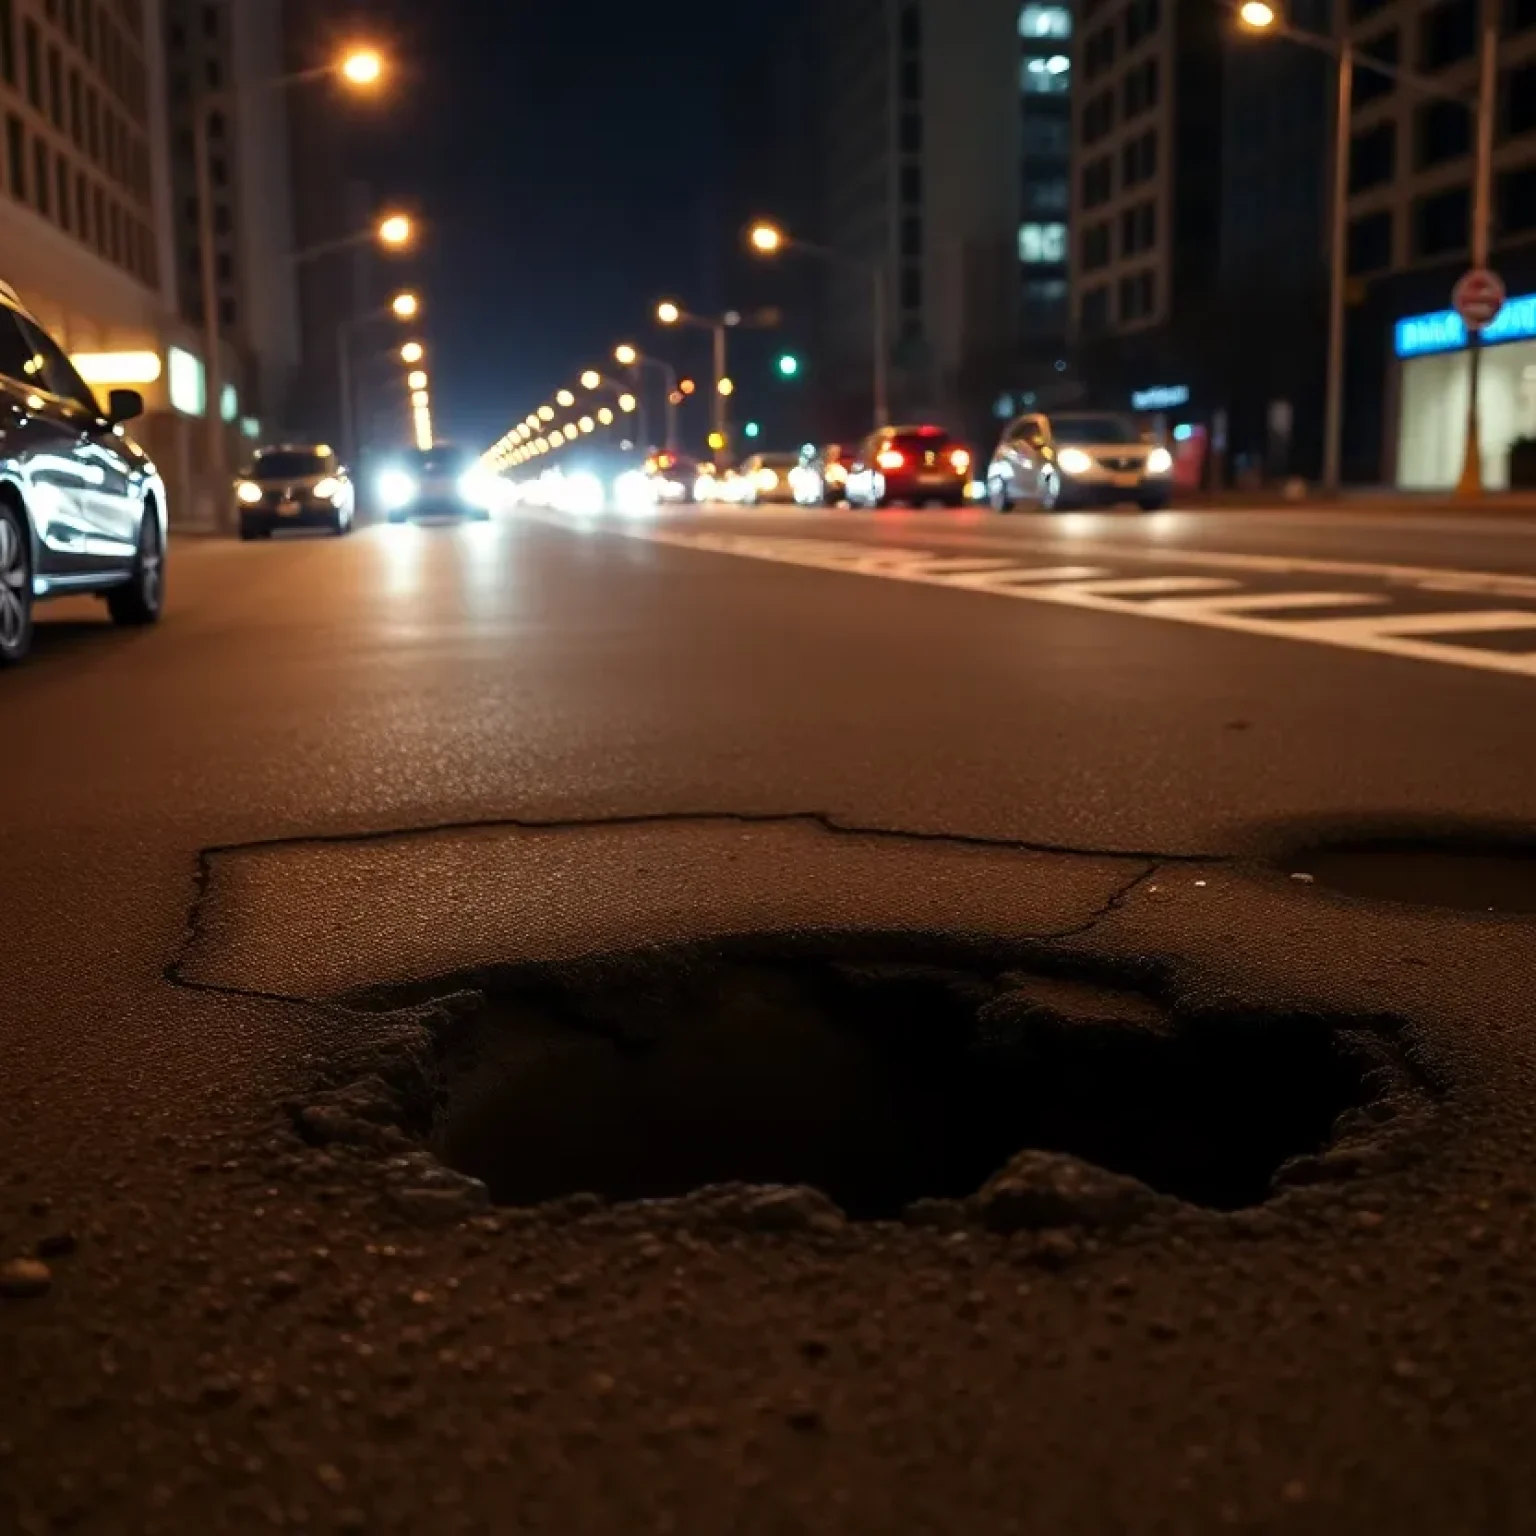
point(1159, 461)
point(396, 489)
point(1074, 461)
point(248, 492)
point(766, 479)
point(329, 489)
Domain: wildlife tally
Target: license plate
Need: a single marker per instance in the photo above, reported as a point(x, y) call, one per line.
point(1128, 479)
point(287, 508)
point(932, 478)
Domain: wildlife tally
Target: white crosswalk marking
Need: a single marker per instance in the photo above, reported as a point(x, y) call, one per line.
point(1208, 601)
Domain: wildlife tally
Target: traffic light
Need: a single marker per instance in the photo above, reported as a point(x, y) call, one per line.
point(789, 365)
point(717, 440)
point(687, 386)
point(752, 429)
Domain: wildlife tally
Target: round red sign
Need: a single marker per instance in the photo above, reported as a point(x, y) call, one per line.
point(1478, 296)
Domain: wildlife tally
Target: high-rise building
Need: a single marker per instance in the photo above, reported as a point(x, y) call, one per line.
point(1045, 172)
point(224, 59)
point(920, 176)
point(84, 188)
point(1410, 238)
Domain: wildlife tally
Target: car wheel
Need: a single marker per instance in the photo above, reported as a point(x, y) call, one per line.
point(15, 586)
point(139, 599)
point(1152, 503)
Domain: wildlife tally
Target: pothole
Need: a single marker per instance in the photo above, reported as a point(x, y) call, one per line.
point(883, 1076)
point(1465, 875)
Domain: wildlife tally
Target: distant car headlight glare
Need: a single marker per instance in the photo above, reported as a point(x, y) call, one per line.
point(1074, 461)
point(396, 489)
point(248, 492)
point(328, 489)
point(1159, 461)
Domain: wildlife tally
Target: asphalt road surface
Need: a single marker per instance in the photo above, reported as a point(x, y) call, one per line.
point(774, 1022)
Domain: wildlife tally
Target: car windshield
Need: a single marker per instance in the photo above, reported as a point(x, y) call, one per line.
point(922, 440)
point(1094, 429)
point(441, 461)
point(289, 463)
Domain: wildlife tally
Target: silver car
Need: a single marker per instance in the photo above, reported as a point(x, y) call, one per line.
point(1078, 458)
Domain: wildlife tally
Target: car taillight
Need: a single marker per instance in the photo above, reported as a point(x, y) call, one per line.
point(961, 460)
point(889, 458)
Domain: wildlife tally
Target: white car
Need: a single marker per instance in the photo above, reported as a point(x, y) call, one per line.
point(1078, 458)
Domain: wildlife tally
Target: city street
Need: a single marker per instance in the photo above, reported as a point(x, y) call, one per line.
point(284, 871)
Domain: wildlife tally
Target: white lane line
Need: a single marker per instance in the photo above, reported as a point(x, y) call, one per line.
point(1020, 575)
point(1259, 602)
point(1366, 634)
point(1151, 586)
point(1479, 621)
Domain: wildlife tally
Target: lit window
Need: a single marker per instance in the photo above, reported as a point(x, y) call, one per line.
point(1047, 77)
point(1045, 21)
point(1042, 243)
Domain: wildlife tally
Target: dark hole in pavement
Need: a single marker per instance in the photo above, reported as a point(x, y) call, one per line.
point(1468, 876)
point(878, 1081)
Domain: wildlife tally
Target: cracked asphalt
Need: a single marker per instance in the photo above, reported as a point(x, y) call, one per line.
point(266, 863)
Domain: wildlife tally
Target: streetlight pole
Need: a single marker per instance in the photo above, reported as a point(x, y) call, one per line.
point(769, 239)
point(1471, 482)
point(1338, 272)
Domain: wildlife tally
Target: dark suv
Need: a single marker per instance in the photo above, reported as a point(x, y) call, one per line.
point(81, 506)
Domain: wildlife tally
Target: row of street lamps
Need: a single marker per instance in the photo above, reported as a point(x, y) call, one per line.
point(536, 436)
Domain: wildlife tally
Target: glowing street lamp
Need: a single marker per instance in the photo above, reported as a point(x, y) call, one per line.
point(417, 379)
point(396, 231)
point(406, 306)
point(625, 355)
point(412, 352)
point(668, 313)
point(546, 413)
point(587, 424)
point(1256, 15)
point(605, 416)
point(627, 404)
point(591, 379)
point(726, 386)
point(769, 238)
point(565, 398)
point(420, 398)
point(362, 66)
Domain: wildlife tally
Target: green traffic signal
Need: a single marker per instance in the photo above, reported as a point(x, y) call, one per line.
point(752, 429)
point(789, 365)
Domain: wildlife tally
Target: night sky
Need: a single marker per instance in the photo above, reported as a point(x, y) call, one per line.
point(574, 161)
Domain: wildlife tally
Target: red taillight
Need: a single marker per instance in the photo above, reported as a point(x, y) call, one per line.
point(889, 458)
point(961, 460)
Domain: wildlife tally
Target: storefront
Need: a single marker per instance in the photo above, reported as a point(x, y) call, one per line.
point(1431, 388)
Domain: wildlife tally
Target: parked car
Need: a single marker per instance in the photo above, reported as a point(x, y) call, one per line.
point(765, 477)
point(82, 508)
point(821, 477)
point(294, 486)
point(911, 464)
point(1078, 458)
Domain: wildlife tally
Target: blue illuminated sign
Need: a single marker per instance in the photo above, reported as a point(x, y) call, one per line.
point(1442, 331)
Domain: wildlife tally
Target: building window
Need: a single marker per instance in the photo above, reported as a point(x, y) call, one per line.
point(62, 182)
point(1442, 131)
point(227, 313)
point(911, 28)
point(911, 184)
point(83, 207)
point(911, 80)
point(1095, 310)
point(88, 28)
point(911, 133)
point(1099, 51)
point(56, 87)
point(911, 236)
point(1371, 84)
point(1045, 21)
point(1047, 134)
point(1519, 16)
point(1138, 228)
point(7, 42)
point(1098, 181)
point(1516, 198)
point(911, 287)
point(1138, 158)
point(98, 198)
point(1519, 100)
point(1046, 77)
point(1040, 244)
point(31, 48)
point(1447, 32)
point(1370, 242)
point(1141, 19)
point(1140, 89)
point(92, 124)
point(1045, 303)
point(1136, 296)
point(41, 186)
point(1372, 157)
point(1098, 115)
point(16, 147)
point(1440, 223)
point(1047, 194)
point(76, 115)
point(1095, 247)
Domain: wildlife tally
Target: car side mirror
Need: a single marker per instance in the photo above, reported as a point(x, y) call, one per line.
point(124, 405)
